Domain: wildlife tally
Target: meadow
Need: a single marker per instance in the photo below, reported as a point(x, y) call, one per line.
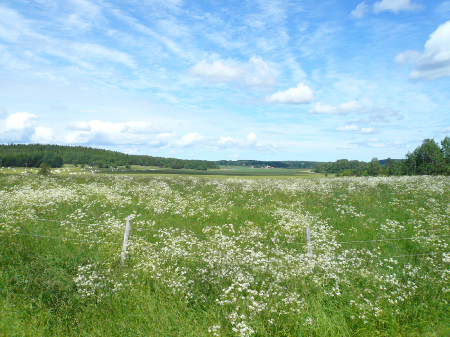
point(224, 256)
point(224, 172)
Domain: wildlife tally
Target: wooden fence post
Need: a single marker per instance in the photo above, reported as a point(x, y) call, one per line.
point(308, 241)
point(125, 242)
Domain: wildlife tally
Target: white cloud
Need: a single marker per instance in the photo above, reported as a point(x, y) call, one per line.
point(98, 51)
point(434, 62)
point(354, 128)
point(255, 73)
point(368, 130)
point(395, 6)
point(343, 108)
point(252, 139)
point(190, 139)
point(73, 20)
point(250, 142)
point(101, 133)
point(446, 129)
point(143, 128)
point(166, 135)
point(351, 106)
point(42, 135)
point(12, 24)
point(348, 128)
point(79, 126)
point(227, 142)
point(299, 95)
point(216, 72)
point(20, 121)
point(86, 7)
point(360, 10)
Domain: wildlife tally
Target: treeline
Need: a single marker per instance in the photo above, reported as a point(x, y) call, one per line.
point(276, 164)
point(33, 155)
point(430, 158)
point(344, 167)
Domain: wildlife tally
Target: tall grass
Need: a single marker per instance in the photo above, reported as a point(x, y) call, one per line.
point(210, 257)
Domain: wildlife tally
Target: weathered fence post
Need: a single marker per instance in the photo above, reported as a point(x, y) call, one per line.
point(125, 241)
point(308, 241)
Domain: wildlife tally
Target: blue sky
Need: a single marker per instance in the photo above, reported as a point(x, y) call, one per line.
point(269, 80)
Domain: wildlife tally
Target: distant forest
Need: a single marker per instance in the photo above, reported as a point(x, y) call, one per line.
point(430, 158)
point(33, 155)
point(276, 164)
point(427, 159)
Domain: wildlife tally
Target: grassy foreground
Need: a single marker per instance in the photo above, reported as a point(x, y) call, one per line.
point(224, 257)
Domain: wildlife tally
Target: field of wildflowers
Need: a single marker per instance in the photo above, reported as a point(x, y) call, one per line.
point(224, 257)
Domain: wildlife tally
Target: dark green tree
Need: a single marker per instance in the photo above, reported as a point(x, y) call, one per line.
point(374, 167)
point(44, 169)
point(426, 159)
point(445, 146)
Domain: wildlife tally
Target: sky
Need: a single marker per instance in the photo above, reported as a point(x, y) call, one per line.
point(266, 80)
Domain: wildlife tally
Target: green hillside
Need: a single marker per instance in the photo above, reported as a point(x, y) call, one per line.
point(33, 155)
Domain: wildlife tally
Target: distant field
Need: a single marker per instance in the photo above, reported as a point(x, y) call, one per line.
point(223, 257)
point(238, 171)
point(223, 171)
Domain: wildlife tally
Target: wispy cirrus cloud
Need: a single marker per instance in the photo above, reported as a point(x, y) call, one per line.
point(360, 11)
point(380, 144)
point(394, 6)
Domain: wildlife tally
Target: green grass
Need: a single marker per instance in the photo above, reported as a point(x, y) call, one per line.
point(258, 268)
point(223, 173)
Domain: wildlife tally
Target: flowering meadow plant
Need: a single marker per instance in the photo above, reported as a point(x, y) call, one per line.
point(232, 253)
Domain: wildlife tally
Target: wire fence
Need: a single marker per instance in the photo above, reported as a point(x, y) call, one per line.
point(160, 231)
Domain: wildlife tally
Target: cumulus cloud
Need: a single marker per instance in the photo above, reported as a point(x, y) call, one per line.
point(227, 142)
point(434, 62)
point(298, 95)
point(348, 128)
point(190, 139)
point(252, 139)
point(356, 129)
point(360, 10)
point(395, 6)
point(166, 135)
point(79, 126)
point(20, 121)
point(368, 130)
point(143, 128)
point(100, 132)
point(255, 73)
point(42, 135)
point(342, 109)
